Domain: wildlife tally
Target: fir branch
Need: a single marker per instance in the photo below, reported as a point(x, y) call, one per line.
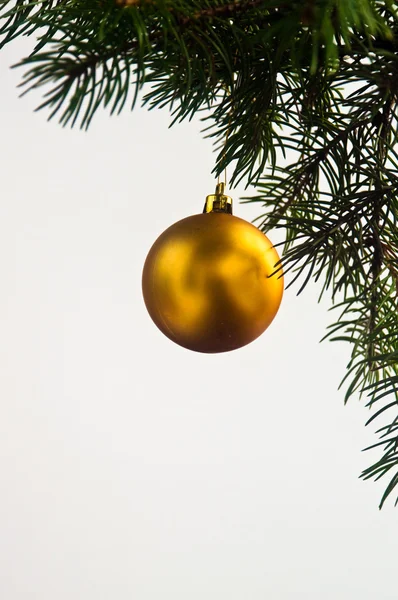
point(318, 78)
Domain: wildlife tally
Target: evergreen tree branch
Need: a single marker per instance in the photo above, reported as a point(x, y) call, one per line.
point(317, 78)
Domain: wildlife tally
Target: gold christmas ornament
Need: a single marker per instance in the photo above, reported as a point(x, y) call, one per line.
point(207, 280)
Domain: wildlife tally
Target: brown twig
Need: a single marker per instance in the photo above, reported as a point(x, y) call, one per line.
point(226, 10)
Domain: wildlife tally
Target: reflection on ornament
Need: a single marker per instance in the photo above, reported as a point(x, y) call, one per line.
point(207, 280)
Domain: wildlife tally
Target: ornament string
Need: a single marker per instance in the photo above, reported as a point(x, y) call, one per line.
point(228, 89)
point(223, 157)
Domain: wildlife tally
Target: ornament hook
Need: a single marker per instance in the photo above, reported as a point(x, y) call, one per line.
point(218, 202)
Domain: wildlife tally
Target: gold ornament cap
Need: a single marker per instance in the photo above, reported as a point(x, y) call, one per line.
point(218, 202)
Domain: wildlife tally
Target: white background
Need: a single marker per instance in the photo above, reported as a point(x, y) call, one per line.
point(130, 467)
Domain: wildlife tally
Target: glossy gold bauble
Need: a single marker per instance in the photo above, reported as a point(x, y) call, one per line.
point(207, 282)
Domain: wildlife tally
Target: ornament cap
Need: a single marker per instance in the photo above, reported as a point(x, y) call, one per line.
point(218, 202)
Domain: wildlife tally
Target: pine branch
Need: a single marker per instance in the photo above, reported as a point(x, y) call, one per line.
point(346, 233)
point(318, 78)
